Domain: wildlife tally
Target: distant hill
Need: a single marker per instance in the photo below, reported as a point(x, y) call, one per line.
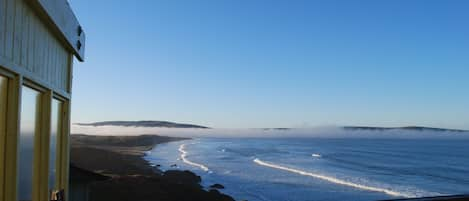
point(162, 124)
point(278, 129)
point(411, 128)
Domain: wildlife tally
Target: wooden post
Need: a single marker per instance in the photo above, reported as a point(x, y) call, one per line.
point(11, 140)
point(44, 136)
point(3, 119)
point(65, 152)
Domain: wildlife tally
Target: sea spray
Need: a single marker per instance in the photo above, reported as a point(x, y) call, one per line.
point(185, 160)
point(335, 180)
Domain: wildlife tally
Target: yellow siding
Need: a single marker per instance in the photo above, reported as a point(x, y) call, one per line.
point(3, 112)
point(27, 43)
point(11, 140)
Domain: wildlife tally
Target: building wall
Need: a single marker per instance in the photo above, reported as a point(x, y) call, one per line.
point(28, 45)
point(34, 54)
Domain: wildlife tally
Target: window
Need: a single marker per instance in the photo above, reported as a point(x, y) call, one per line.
point(29, 126)
point(54, 146)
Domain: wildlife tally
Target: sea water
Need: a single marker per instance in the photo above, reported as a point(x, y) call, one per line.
point(306, 169)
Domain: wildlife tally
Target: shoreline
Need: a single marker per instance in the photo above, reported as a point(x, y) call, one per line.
point(132, 177)
point(183, 155)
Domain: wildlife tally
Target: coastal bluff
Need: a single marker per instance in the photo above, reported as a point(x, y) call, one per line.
point(131, 177)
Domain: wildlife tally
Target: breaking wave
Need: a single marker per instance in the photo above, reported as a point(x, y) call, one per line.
point(338, 181)
point(185, 160)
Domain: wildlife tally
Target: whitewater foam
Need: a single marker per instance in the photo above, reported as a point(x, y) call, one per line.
point(335, 180)
point(316, 155)
point(185, 160)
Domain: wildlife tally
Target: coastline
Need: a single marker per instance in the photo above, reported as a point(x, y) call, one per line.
point(131, 176)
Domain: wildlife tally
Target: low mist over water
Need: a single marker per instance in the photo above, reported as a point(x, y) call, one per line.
point(320, 132)
point(327, 163)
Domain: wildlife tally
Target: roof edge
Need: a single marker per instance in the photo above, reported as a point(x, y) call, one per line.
point(63, 21)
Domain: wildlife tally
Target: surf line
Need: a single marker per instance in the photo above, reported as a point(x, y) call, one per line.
point(332, 179)
point(185, 160)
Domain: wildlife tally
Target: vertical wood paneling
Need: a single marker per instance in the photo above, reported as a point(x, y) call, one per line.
point(33, 53)
point(50, 56)
point(40, 49)
point(2, 25)
point(45, 52)
point(57, 65)
point(9, 23)
point(25, 37)
point(17, 32)
point(68, 72)
point(30, 40)
point(53, 56)
point(36, 38)
point(28, 43)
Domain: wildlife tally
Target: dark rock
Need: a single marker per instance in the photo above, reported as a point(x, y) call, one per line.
point(185, 177)
point(217, 186)
point(142, 188)
point(214, 191)
point(133, 177)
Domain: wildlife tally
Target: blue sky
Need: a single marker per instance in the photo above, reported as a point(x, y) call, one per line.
point(244, 64)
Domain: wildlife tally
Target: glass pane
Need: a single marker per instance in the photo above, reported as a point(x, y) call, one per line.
point(55, 132)
point(30, 103)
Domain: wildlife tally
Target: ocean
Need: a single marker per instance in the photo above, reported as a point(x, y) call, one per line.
point(313, 169)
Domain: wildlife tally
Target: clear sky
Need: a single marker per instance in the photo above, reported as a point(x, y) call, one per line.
point(253, 63)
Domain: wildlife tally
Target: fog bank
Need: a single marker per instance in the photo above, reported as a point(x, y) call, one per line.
point(318, 132)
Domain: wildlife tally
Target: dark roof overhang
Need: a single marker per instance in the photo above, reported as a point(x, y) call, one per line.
point(62, 21)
